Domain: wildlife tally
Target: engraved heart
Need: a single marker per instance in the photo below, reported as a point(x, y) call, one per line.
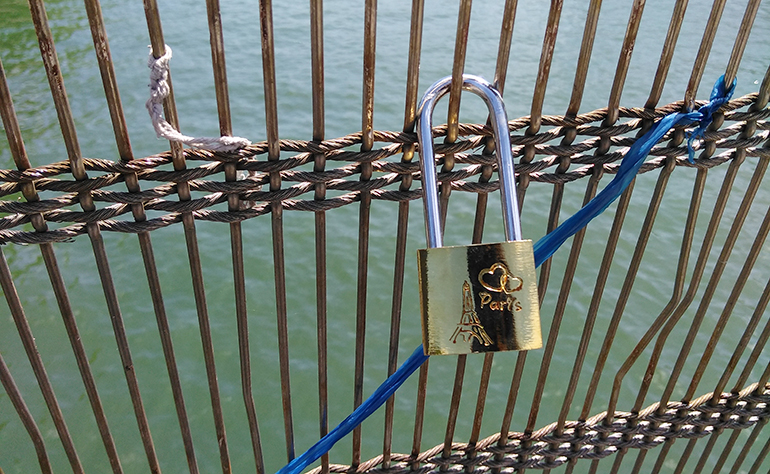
point(504, 281)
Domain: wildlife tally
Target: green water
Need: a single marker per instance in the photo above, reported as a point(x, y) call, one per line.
point(185, 29)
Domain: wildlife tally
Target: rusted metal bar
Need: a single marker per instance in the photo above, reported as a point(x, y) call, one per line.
point(501, 71)
point(741, 458)
point(66, 122)
point(17, 400)
point(454, 404)
point(697, 274)
point(669, 46)
point(760, 458)
point(453, 108)
point(703, 53)
point(106, 67)
point(715, 278)
point(614, 236)
point(191, 241)
point(445, 188)
point(740, 283)
point(216, 40)
point(584, 57)
point(544, 67)
point(621, 70)
point(561, 304)
point(367, 142)
point(276, 212)
point(641, 245)
point(319, 164)
point(538, 95)
point(46, 389)
point(399, 265)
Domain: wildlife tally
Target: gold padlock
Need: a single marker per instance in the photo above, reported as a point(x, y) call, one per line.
point(476, 298)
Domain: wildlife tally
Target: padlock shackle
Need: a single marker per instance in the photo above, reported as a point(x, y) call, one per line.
point(499, 119)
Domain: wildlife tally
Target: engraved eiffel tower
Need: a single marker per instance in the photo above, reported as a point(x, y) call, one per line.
point(469, 325)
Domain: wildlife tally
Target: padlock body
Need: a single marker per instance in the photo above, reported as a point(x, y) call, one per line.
point(479, 298)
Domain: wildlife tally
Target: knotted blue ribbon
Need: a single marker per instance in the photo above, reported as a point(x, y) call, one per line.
point(543, 249)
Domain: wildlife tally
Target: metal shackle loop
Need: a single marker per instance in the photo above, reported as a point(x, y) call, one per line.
point(499, 119)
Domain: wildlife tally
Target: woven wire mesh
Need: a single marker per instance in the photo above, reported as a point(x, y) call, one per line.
point(628, 390)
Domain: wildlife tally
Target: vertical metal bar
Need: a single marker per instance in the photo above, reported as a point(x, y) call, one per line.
point(26, 417)
point(239, 281)
point(621, 70)
point(538, 95)
point(273, 154)
point(66, 121)
point(685, 456)
point(30, 347)
point(319, 159)
point(455, 91)
point(410, 111)
point(760, 458)
point(697, 274)
point(199, 295)
point(584, 57)
point(106, 67)
point(743, 343)
point(56, 83)
point(419, 417)
point(747, 445)
point(726, 452)
point(458, 66)
point(759, 345)
point(641, 245)
point(183, 189)
point(454, 405)
point(164, 331)
point(480, 403)
point(513, 393)
point(703, 53)
point(704, 458)
point(16, 144)
point(674, 26)
point(501, 70)
point(743, 277)
point(504, 46)
point(716, 275)
point(561, 304)
point(367, 127)
point(109, 82)
point(395, 321)
point(740, 41)
point(216, 40)
point(544, 67)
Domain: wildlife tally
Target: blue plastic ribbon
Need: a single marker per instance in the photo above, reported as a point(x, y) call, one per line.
point(543, 249)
